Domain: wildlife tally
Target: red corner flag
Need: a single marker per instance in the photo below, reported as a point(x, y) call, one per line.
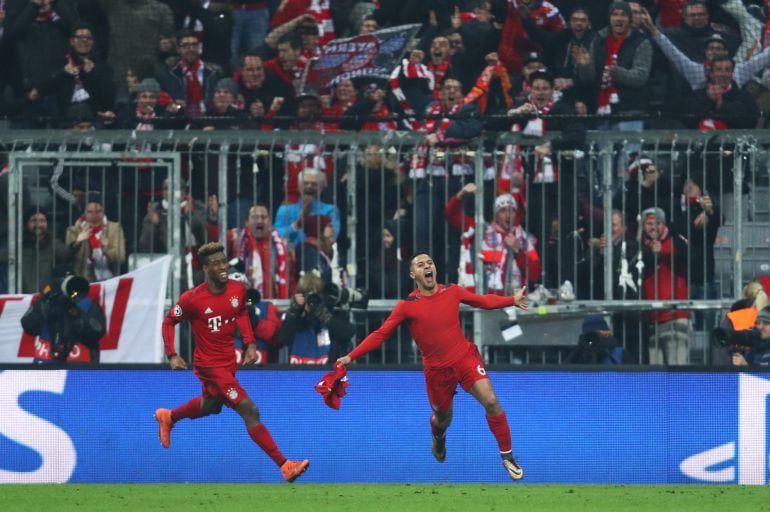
point(332, 386)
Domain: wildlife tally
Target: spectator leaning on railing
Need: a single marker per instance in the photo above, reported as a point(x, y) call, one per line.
point(98, 243)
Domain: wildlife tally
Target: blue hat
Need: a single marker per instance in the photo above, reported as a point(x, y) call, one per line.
point(593, 323)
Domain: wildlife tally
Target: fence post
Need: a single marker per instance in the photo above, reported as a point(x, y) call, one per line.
point(174, 234)
point(352, 267)
point(478, 237)
point(738, 216)
point(14, 231)
point(222, 193)
point(607, 167)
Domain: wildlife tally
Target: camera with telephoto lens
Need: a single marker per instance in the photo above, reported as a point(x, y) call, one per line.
point(737, 341)
point(345, 298)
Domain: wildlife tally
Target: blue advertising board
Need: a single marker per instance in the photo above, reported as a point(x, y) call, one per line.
point(567, 427)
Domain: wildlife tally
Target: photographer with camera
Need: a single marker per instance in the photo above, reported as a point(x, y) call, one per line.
point(67, 321)
point(753, 347)
point(316, 326)
point(738, 335)
point(597, 345)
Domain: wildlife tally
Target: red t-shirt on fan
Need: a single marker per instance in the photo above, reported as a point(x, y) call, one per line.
point(213, 318)
point(434, 321)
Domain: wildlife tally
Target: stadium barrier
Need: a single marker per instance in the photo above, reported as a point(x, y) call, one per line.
point(568, 196)
point(570, 427)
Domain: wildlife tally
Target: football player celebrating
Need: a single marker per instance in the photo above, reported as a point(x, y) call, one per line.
point(432, 314)
point(214, 309)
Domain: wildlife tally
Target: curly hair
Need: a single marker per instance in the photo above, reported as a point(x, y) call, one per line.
point(207, 250)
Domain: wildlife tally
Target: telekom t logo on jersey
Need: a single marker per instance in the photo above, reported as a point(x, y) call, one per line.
point(215, 323)
point(750, 456)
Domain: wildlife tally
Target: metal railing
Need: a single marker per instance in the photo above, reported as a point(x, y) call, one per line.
point(373, 182)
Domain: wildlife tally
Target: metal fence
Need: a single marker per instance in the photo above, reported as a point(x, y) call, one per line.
point(568, 201)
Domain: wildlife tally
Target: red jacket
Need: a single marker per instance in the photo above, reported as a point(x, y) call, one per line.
point(661, 278)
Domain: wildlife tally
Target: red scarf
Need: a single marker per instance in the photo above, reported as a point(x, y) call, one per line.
point(272, 285)
point(94, 239)
point(409, 70)
point(43, 17)
point(71, 62)
point(146, 121)
point(321, 11)
point(545, 170)
point(687, 201)
point(193, 75)
point(432, 124)
point(608, 93)
point(439, 72)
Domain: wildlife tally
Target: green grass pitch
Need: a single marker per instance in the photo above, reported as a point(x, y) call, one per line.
point(381, 498)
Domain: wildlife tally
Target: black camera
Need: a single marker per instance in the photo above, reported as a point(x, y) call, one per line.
point(253, 297)
point(736, 341)
point(72, 287)
point(598, 341)
point(334, 297)
point(344, 298)
point(595, 347)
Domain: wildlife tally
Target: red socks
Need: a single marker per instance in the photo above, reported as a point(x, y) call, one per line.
point(499, 427)
point(262, 437)
point(191, 410)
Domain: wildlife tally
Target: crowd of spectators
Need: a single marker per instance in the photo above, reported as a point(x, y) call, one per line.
point(236, 59)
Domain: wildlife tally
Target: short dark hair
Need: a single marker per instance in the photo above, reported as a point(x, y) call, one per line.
point(259, 204)
point(207, 250)
point(251, 53)
point(419, 253)
point(292, 40)
point(81, 25)
point(580, 8)
point(184, 33)
point(722, 58)
point(695, 2)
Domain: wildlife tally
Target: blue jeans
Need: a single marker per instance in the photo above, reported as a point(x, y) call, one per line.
point(250, 28)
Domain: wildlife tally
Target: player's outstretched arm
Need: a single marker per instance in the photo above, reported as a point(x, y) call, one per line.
point(343, 361)
point(177, 362)
point(520, 298)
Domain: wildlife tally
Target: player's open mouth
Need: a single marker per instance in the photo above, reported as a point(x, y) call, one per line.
point(223, 275)
point(429, 275)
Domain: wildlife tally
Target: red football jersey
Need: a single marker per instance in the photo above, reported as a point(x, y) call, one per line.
point(434, 321)
point(213, 318)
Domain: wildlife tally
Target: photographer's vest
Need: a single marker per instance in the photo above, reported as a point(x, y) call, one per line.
point(742, 319)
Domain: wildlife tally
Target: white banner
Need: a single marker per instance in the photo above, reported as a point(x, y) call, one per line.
point(133, 305)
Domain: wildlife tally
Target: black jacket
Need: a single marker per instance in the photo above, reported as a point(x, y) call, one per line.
point(634, 63)
point(98, 83)
point(738, 109)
